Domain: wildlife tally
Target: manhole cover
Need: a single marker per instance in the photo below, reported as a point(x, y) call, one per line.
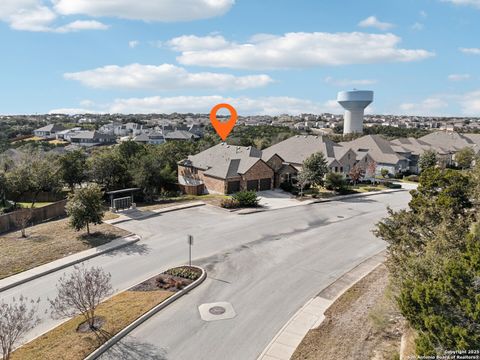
point(216, 310)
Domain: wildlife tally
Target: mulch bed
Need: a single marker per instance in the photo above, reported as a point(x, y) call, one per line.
point(167, 282)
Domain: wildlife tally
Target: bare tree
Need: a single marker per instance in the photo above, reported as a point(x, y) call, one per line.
point(356, 173)
point(22, 219)
point(303, 179)
point(80, 293)
point(16, 319)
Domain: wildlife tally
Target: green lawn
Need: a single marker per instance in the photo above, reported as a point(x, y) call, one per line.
point(37, 204)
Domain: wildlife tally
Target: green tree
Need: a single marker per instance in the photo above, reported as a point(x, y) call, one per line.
point(427, 160)
point(384, 172)
point(464, 158)
point(73, 168)
point(434, 260)
point(130, 149)
point(85, 207)
point(3, 189)
point(34, 174)
point(315, 167)
point(107, 169)
point(151, 173)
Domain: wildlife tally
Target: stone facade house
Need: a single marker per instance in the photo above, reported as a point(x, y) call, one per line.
point(295, 150)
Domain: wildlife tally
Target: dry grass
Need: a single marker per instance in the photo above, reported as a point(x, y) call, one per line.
point(48, 242)
point(362, 324)
point(212, 199)
point(65, 343)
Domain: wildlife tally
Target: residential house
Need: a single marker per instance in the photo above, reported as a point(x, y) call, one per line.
point(381, 152)
point(154, 138)
point(180, 135)
point(296, 149)
point(92, 138)
point(225, 169)
point(48, 131)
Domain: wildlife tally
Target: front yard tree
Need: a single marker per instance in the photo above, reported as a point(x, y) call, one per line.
point(384, 172)
point(303, 179)
point(336, 182)
point(427, 160)
point(316, 167)
point(356, 173)
point(16, 319)
point(73, 168)
point(85, 207)
point(464, 158)
point(80, 293)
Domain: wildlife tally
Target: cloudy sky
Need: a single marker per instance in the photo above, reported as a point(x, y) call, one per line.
point(264, 57)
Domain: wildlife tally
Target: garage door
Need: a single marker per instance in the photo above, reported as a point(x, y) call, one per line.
point(265, 184)
point(233, 187)
point(252, 185)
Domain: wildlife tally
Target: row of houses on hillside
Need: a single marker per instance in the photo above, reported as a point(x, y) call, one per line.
point(227, 169)
point(109, 134)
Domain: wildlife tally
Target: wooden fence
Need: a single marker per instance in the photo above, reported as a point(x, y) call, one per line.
point(10, 221)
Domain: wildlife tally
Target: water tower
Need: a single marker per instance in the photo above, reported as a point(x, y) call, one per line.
point(354, 102)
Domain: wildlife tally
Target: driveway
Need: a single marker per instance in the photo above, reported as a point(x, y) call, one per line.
point(277, 199)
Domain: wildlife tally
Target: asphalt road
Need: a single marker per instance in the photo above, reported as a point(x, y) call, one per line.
point(267, 265)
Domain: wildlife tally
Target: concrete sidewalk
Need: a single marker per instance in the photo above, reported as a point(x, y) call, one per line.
point(138, 214)
point(67, 261)
point(311, 315)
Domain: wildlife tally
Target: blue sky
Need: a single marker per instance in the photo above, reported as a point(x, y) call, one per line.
point(264, 57)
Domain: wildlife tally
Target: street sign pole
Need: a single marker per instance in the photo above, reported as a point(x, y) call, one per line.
point(190, 244)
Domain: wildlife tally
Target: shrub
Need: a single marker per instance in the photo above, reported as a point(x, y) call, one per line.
point(246, 198)
point(336, 182)
point(229, 203)
point(184, 272)
point(286, 186)
point(414, 178)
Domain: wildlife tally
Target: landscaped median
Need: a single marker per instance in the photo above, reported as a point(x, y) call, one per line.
point(116, 317)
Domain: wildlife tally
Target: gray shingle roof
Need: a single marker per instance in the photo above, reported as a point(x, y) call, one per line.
point(452, 140)
point(51, 128)
point(379, 148)
point(298, 148)
point(225, 161)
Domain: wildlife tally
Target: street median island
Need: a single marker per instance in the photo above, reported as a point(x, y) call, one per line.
point(114, 318)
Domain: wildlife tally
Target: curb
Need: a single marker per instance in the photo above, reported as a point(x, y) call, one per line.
point(320, 201)
point(125, 331)
point(135, 238)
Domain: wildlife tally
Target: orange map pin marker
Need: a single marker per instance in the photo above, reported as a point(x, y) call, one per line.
point(223, 128)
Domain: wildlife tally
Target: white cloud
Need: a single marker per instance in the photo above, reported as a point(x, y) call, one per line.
point(73, 111)
point(459, 77)
point(148, 10)
point(203, 104)
point(429, 106)
point(349, 82)
point(470, 103)
point(163, 77)
point(418, 26)
point(298, 50)
point(133, 44)
point(193, 43)
point(372, 21)
point(423, 14)
point(80, 25)
point(470, 51)
point(475, 3)
point(33, 15)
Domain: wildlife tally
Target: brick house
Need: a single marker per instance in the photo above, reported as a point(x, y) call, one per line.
point(225, 169)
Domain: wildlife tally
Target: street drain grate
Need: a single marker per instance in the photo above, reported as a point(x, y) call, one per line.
point(217, 310)
point(220, 310)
